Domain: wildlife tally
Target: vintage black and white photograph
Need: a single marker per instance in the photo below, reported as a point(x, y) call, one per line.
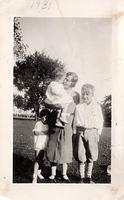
point(62, 91)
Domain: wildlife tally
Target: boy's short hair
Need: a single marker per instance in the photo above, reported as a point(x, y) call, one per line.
point(44, 112)
point(88, 87)
point(74, 77)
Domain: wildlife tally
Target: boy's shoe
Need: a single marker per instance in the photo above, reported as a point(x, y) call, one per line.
point(82, 180)
point(88, 180)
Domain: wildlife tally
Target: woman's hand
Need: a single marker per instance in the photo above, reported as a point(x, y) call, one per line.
point(58, 106)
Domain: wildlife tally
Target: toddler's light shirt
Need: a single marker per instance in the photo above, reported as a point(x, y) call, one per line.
point(56, 94)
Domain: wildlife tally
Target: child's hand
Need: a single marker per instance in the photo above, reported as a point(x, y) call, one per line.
point(98, 137)
point(37, 133)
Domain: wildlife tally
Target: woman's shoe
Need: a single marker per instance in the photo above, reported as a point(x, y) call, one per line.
point(39, 174)
point(65, 177)
point(52, 177)
point(82, 180)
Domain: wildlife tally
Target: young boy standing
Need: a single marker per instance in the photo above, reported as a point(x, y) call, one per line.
point(88, 124)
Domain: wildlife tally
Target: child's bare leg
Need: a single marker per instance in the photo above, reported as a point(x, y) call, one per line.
point(62, 117)
point(64, 114)
point(59, 121)
point(40, 159)
point(36, 172)
point(36, 167)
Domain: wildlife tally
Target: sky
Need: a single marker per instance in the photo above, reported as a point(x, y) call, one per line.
point(82, 44)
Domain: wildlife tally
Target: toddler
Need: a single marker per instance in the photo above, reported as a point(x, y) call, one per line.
point(40, 142)
point(56, 94)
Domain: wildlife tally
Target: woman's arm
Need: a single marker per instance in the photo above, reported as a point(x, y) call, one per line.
point(51, 106)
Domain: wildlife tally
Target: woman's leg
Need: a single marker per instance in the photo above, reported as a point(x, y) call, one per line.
point(64, 171)
point(64, 115)
point(53, 171)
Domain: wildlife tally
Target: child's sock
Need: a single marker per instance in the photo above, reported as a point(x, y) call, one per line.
point(82, 170)
point(89, 169)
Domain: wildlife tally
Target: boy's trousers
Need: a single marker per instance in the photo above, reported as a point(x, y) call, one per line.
point(85, 146)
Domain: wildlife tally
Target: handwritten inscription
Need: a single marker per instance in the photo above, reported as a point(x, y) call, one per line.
point(41, 4)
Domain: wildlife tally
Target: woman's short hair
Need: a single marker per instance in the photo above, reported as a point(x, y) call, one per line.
point(74, 77)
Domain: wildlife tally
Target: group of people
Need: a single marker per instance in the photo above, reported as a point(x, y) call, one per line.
point(69, 126)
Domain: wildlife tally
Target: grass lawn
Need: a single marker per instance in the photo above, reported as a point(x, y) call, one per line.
point(23, 156)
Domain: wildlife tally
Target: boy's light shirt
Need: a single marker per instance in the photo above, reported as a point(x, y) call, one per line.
point(88, 116)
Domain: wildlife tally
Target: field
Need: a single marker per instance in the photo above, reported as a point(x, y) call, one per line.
point(23, 156)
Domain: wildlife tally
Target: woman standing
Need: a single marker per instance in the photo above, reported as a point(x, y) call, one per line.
point(59, 150)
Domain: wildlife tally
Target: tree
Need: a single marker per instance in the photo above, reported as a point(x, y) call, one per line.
point(106, 107)
point(19, 48)
point(32, 76)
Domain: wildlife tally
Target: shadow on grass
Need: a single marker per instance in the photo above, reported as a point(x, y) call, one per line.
point(23, 170)
point(100, 174)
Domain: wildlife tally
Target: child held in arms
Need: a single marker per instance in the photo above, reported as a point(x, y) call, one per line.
point(57, 95)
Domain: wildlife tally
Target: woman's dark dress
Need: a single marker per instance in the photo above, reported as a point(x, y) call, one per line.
point(59, 148)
